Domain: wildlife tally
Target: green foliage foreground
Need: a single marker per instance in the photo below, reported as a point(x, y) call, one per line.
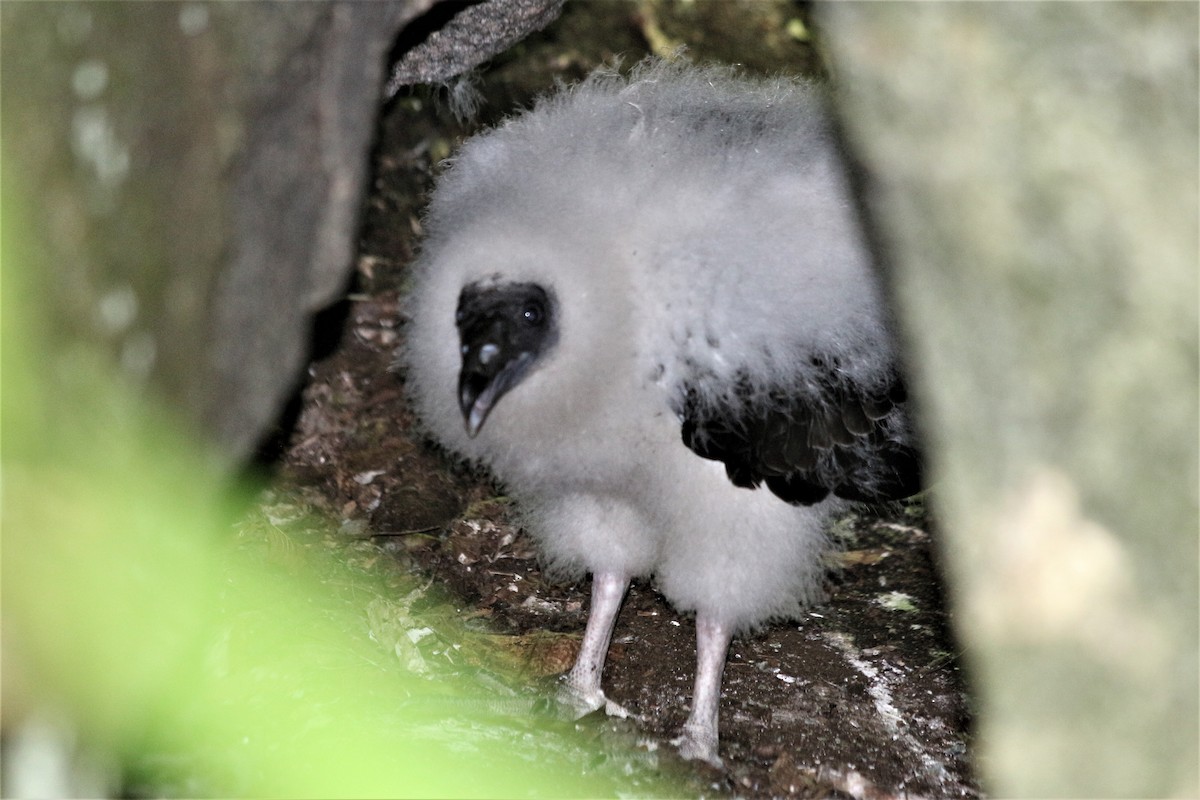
point(198, 665)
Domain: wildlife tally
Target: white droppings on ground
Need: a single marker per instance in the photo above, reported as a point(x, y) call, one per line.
point(881, 694)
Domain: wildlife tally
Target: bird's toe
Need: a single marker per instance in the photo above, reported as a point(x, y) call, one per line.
point(579, 702)
point(617, 710)
point(697, 743)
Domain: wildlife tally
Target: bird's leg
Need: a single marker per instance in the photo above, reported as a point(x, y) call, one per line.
point(699, 737)
point(581, 690)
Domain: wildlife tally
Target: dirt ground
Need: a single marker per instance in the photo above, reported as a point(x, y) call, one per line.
point(863, 698)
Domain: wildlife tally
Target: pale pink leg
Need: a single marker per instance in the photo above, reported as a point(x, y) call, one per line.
point(582, 685)
point(699, 737)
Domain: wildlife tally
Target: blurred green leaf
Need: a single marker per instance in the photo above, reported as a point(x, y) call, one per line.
point(207, 666)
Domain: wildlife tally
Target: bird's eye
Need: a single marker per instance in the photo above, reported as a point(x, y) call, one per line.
point(533, 313)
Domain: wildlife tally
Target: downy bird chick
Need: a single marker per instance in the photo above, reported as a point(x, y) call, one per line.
point(648, 307)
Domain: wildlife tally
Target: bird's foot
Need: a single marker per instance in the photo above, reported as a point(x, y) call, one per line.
point(698, 743)
point(580, 701)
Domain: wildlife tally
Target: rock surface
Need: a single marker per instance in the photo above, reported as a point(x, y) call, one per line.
point(1034, 178)
point(196, 174)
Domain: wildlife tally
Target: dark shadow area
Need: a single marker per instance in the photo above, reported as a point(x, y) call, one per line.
point(419, 30)
point(328, 328)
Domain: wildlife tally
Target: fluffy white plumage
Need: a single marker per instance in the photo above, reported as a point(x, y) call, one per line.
point(703, 278)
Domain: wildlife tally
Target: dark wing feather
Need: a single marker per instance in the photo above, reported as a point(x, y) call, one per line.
point(835, 438)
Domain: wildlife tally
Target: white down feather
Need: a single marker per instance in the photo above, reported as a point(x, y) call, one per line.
point(689, 222)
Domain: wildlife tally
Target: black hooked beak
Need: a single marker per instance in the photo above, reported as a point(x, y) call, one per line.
point(503, 330)
point(488, 372)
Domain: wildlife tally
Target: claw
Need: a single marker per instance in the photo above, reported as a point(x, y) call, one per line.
point(617, 710)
